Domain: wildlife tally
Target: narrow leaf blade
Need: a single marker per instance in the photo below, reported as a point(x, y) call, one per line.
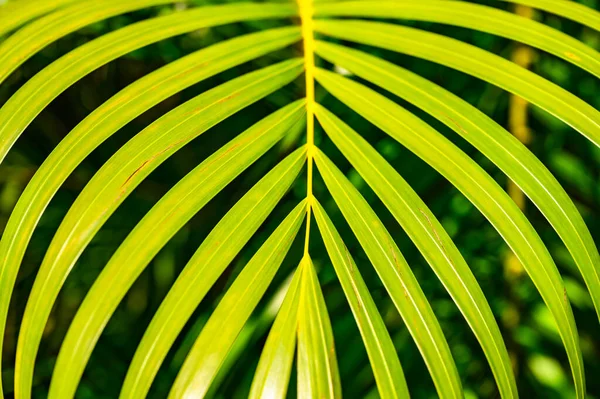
point(215, 340)
point(380, 348)
point(473, 16)
point(24, 43)
point(275, 365)
point(318, 375)
point(158, 226)
point(39, 91)
point(474, 61)
point(501, 147)
point(118, 177)
point(396, 276)
point(104, 122)
point(206, 265)
point(481, 190)
point(17, 13)
point(431, 239)
point(568, 9)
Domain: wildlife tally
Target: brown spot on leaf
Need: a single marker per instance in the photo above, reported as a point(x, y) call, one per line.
point(435, 233)
point(458, 125)
point(135, 172)
point(572, 56)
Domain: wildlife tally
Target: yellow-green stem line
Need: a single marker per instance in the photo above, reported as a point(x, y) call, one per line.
point(306, 18)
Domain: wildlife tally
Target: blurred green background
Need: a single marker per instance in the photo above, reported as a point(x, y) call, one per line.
point(529, 331)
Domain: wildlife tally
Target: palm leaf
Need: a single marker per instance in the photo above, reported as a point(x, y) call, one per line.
point(104, 122)
point(493, 141)
point(429, 236)
point(396, 276)
point(235, 308)
point(275, 366)
point(473, 16)
point(39, 91)
point(479, 187)
point(386, 366)
point(568, 9)
point(19, 47)
point(119, 177)
point(207, 264)
point(157, 227)
point(474, 61)
point(303, 327)
point(13, 15)
point(318, 375)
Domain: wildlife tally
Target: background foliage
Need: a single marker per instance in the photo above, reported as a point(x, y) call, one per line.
point(526, 324)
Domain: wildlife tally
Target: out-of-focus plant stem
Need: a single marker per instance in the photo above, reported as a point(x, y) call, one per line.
point(523, 56)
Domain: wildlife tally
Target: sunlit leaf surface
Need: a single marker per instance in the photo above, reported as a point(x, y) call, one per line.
point(276, 184)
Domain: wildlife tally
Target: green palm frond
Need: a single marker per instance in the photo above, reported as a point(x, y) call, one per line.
point(275, 366)
point(217, 250)
point(217, 337)
point(478, 187)
point(168, 216)
point(386, 366)
point(318, 375)
point(334, 36)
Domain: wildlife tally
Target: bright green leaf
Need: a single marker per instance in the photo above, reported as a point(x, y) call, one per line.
point(474, 61)
point(216, 338)
point(118, 177)
point(39, 91)
point(380, 348)
point(19, 47)
point(104, 122)
point(275, 365)
point(16, 13)
point(318, 375)
point(396, 276)
point(173, 210)
point(568, 9)
point(210, 260)
point(492, 140)
point(432, 240)
point(473, 16)
point(479, 187)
